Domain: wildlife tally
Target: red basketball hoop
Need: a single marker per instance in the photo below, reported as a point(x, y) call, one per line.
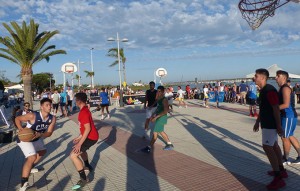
point(256, 11)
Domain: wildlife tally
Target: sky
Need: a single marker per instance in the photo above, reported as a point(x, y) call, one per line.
point(203, 39)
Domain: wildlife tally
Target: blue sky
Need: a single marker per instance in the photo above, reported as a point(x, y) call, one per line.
point(204, 39)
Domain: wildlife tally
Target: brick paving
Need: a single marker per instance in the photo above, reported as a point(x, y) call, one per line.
point(215, 149)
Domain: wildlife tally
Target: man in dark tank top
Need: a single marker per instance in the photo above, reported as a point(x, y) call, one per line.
point(288, 116)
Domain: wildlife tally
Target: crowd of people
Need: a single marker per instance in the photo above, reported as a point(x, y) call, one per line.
point(276, 117)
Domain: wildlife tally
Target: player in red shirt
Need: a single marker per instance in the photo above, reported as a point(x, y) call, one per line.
point(87, 138)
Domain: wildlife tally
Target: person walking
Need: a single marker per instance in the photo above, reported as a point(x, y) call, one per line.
point(42, 123)
point(104, 103)
point(160, 118)
point(288, 117)
point(269, 120)
point(88, 137)
point(252, 98)
point(149, 105)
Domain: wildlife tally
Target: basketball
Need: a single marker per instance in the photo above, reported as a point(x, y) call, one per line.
point(26, 135)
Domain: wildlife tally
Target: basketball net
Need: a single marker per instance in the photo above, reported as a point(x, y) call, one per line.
point(256, 11)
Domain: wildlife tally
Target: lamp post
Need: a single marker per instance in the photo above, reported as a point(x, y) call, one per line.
point(92, 66)
point(78, 63)
point(120, 80)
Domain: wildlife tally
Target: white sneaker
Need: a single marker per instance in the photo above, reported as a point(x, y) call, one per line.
point(34, 170)
point(102, 117)
point(108, 116)
point(24, 187)
point(287, 162)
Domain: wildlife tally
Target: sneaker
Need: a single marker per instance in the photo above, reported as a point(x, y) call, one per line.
point(251, 115)
point(88, 169)
point(34, 170)
point(26, 186)
point(283, 174)
point(102, 117)
point(108, 116)
point(168, 147)
point(146, 150)
point(286, 162)
point(81, 183)
point(255, 115)
point(276, 183)
point(297, 160)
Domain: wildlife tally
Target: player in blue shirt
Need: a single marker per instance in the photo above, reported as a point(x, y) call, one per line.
point(288, 116)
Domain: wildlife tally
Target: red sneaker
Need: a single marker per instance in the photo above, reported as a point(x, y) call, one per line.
point(283, 174)
point(255, 115)
point(251, 115)
point(276, 183)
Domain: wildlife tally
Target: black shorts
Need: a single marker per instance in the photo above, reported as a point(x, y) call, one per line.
point(55, 106)
point(69, 103)
point(252, 101)
point(104, 105)
point(87, 144)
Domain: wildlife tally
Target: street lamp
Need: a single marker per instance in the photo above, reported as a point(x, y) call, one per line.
point(78, 63)
point(120, 81)
point(92, 67)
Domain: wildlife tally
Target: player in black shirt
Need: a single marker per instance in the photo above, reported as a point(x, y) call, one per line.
point(269, 120)
point(150, 105)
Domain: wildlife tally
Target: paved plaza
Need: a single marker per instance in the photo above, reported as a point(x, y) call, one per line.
point(215, 149)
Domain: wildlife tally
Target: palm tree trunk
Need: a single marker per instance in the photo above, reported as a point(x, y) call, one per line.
point(27, 80)
point(124, 73)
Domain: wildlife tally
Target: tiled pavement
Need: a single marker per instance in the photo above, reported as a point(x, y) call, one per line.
point(215, 149)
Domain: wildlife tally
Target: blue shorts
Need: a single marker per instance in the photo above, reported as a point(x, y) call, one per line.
point(288, 126)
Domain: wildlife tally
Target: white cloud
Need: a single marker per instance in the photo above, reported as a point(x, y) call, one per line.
point(153, 24)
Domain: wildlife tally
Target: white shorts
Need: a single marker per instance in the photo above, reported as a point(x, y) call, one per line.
point(149, 112)
point(31, 148)
point(269, 137)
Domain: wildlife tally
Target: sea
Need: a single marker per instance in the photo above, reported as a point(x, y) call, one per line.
point(200, 85)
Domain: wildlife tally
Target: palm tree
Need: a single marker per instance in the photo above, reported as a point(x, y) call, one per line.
point(77, 77)
point(89, 74)
point(26, 47)
point(113, 52)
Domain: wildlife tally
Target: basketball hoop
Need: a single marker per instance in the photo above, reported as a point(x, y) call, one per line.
point(256, 11)
point(69, 69)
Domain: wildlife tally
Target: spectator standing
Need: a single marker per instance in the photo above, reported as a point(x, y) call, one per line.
point(243, 89)
point(63, 103)
point(70, 94)
point(55, 102)
point(169, 96)
point(104, 103)
point(252, 98)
